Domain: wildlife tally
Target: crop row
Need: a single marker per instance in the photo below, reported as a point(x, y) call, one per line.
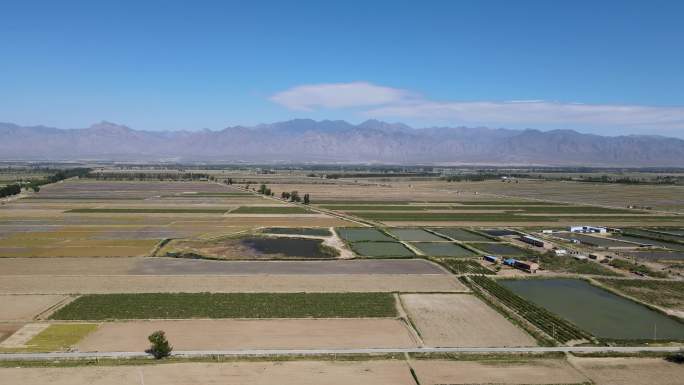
point(464, 266)
point(560, 329)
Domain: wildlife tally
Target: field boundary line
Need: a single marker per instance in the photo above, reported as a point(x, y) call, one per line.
point(314, 352)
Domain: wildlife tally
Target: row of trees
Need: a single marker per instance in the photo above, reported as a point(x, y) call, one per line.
point(9, 190)
point(35, 184)
point(294, 196)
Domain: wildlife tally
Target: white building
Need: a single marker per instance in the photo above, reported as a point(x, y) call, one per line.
point(588, 229)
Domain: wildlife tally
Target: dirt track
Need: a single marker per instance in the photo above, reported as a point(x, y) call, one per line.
point(243, 373)
point(461, 320)
point(46, 284)
point(252, 334)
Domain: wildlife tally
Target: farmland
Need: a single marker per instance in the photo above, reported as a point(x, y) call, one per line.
point(233, 305)
point(367, 264)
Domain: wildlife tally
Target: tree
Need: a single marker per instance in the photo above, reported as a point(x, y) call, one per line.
point(160, 347)
point(677, 358)
point(294, 197)
point(306, 199)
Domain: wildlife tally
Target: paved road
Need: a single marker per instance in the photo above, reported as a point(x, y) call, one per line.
point(285, 352)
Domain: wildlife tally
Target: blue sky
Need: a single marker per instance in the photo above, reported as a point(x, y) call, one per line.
point(609, 67)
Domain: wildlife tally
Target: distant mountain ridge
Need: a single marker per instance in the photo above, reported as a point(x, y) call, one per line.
point(373, 141)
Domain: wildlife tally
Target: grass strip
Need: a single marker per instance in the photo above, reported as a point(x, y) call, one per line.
point(227, 305)
point(270, 210)
point(147, 211)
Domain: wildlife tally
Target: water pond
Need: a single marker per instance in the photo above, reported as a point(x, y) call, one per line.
point(600, 312)
point(288, 247)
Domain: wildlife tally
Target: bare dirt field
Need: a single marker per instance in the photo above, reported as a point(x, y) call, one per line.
point(461, 320)
point(533, 371)
point(178, 266)
point(63, 284)
point(25, 307)
point(669, 198)
point(240, 373)
point(252, 334)
point(630, 371)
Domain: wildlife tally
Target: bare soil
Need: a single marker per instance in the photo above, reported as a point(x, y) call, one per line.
point(461, 320)
point(540, 371)
point(630, 371)
point(25, 307)
point(252, 334)
point(67, 284)
point(241, 373)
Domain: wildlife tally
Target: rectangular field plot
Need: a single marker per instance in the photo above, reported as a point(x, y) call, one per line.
point(653, 242)
point(363, 234)
point(26, 307)
point(597, 310)
point(149, 210)
point(252, 334)
point(462, 235)
point(270, 210)
point(415, 235)
point(445, 320)
point(381, 249)
point(443, 249)
point(499, 249)
point(465, 266)
point(657, 255)
point(227, 305)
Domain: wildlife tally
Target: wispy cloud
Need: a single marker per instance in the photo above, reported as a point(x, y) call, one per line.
point(385, 102)
point(339, 95)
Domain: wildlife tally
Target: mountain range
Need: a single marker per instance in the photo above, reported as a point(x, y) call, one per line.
point(373, 141)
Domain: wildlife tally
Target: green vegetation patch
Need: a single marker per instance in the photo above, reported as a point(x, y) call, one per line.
point(60, 337)
point(464, 266)
point(668, 294)
point(568, 264)
point(415, 235)
point(510, 203)
point(227, 305)
point(270, 210)
point(443, 249)
point(381, 249)
point(384, 207)
point(147, 211)
point(363, 235)
point(635, 267)
point(298, 231)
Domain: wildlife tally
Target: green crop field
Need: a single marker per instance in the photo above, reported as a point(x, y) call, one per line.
point(146, 211)
point(270, 210)
point(227, 305)
point(464, 266)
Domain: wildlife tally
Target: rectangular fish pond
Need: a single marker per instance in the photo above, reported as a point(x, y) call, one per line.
point(598, 311)
point(381, 249)
point(288, 247)
point(443, 249)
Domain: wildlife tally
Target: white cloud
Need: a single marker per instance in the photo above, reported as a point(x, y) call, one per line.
point(386, 102)
point(338, 95)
